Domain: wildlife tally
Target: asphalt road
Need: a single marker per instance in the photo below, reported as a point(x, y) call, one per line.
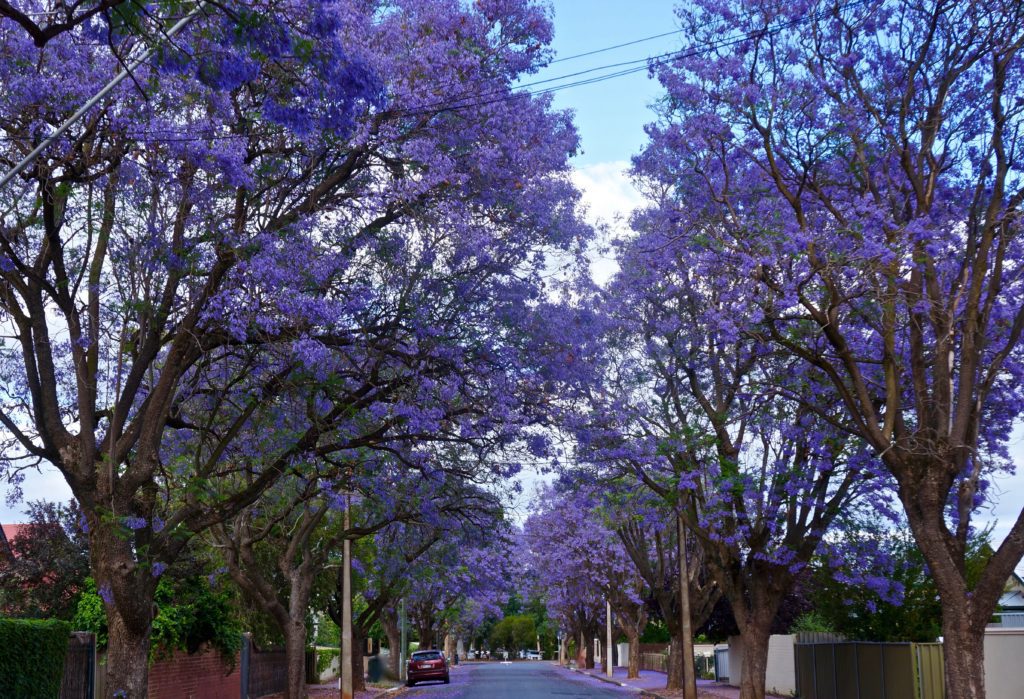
point(523, 679)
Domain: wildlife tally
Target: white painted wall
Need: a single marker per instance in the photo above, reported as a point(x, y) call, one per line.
point(1004, 649)
point(780, 677)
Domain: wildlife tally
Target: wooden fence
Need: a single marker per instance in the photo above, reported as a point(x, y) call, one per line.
point(705, 664)
point(79, 667)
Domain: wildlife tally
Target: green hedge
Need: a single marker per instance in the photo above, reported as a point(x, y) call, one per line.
point(32, 657)
point(324, 656)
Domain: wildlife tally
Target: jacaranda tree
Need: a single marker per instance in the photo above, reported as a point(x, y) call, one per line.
point(851, 171)
point(222, 222)
point(704, 418)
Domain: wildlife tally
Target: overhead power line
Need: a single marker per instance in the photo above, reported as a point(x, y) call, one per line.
point(628, 67)
point(104, 91)
point(477, 99)
point(634, 42)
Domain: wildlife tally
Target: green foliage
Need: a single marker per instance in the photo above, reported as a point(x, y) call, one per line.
point(324, 656)
point(90, 614)
point(514, 633)
point(190, 613)
point(859, 613)
point(32, 661)
point(655, 632)
point(327, 633)
point(811, 622)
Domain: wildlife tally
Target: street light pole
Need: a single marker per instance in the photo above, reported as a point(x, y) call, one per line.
point(346, 604)
point(405, 643)
point(608, 635)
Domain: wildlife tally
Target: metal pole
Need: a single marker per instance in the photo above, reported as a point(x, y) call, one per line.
point(608, 635)
point(246, 664)
point(405, 643)
point(346, 604)
point(689, 676)
point(95, 99)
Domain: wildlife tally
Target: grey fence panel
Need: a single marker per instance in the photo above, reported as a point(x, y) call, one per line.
point(79, 667)
point(722, 664)
point(871, 671)
point(899, 670)
point(847, 684)
point(803, 657)
point(856, 670)
point(824, 671)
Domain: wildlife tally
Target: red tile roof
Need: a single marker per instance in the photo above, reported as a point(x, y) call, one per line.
point(8, 532)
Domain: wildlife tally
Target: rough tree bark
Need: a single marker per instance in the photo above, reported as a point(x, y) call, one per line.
point(389, 620)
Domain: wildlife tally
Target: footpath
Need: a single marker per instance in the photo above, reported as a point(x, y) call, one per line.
point(652, 684)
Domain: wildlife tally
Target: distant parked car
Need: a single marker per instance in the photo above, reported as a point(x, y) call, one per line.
point(427, 665)
point(534, 655)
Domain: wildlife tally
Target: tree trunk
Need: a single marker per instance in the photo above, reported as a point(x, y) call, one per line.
point(633, 665)
point(358, 649)
point(295, 658)
point(127, 660)
point(675, 665)
point(426, 634)
point(128, 599)
point(581, 652)
point(964, 646)
point(394, 634)
point(755, 659)
point(589, 654)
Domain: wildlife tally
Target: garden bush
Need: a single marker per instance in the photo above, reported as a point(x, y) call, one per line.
point(32, 662)
point(324, 656)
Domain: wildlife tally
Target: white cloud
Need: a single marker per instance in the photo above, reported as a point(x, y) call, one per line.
point(609, 198)
point(45, 484)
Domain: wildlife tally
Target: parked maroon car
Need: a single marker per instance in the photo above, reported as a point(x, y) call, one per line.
point(427, 665)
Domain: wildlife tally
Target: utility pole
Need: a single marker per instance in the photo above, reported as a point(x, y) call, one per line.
point(346, 604)
point(402, 674)
point(689, 676)
point(608, 670)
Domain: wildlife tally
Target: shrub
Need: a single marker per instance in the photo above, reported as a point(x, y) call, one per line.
point(32, 662)
point(324, 656)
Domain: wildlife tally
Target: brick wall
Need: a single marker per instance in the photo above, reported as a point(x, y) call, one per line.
point(202, 675)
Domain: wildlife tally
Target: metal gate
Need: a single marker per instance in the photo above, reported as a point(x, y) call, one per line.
point(79, 667)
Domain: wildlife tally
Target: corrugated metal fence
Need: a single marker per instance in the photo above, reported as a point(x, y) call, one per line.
point(858, 670)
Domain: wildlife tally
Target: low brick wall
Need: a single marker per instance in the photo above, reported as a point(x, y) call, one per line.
point(202, 675)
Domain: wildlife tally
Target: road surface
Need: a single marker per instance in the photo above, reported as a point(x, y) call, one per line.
point(523, 679)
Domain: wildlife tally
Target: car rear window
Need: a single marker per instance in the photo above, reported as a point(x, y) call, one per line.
point(427, 655)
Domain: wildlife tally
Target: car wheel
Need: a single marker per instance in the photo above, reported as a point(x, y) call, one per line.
point(409, 683)
point(447, 679)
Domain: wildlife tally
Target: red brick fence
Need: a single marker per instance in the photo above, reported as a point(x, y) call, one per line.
point(201, 675)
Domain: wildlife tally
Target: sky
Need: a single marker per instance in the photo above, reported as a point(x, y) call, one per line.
point(610, 117)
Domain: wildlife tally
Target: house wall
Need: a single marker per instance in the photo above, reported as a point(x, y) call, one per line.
point(1004, 677)
point(780, 677)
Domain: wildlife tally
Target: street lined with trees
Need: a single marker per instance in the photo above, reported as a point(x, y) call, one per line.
point(292, 290)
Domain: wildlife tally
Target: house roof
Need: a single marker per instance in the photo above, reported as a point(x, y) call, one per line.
point(8, 533)
point(11, 531)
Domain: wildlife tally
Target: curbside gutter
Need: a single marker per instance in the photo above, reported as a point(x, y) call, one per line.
point(607, 680)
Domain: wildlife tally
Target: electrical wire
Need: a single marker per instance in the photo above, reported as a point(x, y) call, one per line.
point(506, 93)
